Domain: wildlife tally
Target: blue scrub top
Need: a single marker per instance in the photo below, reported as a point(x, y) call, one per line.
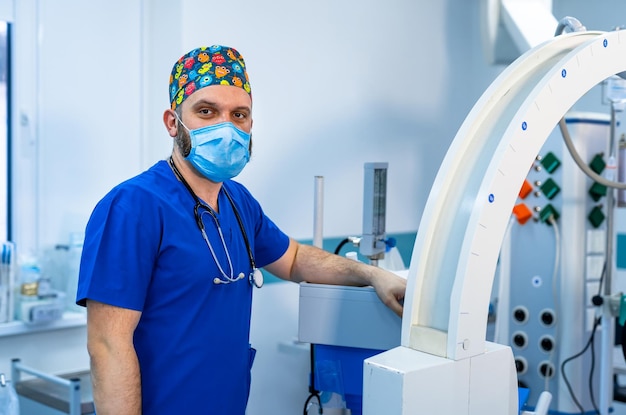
point(144, 251)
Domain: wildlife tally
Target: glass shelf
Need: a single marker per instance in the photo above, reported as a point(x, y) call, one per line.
point(69, 320)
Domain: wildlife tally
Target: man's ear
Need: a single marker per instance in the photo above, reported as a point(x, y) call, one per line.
point(170, 121)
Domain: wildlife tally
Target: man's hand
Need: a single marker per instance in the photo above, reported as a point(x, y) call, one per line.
point(390, 289)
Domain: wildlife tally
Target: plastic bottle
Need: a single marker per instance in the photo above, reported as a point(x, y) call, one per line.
point(610, 170)
point(28, 288)
point(330, 380)
point(353, 255)
point(392, 260)
point(7, 281)
point(73, 268)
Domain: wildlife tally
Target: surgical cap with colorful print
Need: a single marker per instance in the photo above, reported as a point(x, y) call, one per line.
point(206, 66)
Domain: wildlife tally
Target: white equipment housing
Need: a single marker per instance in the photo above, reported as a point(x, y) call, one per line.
point(462, 227)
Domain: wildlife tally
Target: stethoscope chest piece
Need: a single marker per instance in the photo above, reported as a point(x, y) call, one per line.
point(256, 278)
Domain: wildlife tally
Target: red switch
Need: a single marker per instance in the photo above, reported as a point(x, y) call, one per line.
point(522, 213)
point(526, 189)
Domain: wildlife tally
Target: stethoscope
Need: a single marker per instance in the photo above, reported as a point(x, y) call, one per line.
point(256, 276)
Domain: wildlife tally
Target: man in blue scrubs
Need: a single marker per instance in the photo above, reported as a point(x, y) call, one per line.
point(170, 258)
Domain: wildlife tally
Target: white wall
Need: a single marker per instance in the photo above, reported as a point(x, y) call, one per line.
point(280, 374)
point(77, 128)
point(340, 83)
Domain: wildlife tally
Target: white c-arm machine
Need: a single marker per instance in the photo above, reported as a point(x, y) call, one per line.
point(444, 365)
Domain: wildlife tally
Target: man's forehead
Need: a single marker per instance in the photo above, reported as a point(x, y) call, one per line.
point(221, 95)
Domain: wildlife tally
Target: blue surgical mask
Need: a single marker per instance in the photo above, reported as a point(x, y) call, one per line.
point(219, 151)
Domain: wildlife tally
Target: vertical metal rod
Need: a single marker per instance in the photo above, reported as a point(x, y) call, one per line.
point(607, 323)
point(621, 170)
point(74, 397)
point(318, 215)
point(610, 208)
point(15, 373)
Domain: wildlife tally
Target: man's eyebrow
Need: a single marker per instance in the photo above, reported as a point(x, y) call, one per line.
point(243, 108)
point(214, 104)
point(204, 103)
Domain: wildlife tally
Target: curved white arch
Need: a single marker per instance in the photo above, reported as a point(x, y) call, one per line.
point(461, 230)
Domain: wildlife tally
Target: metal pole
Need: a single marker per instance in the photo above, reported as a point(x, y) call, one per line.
point(318, 218)
point(607, 322)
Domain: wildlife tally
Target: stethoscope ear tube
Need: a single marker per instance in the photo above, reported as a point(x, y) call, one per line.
point(243, 231)
point(197, 215)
